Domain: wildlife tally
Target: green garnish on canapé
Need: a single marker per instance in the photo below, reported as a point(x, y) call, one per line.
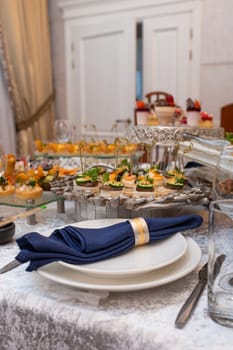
point(83, 180)
point(116, 184)
point(145, 185)
point(31, 183)
point(90, 175)
point(176, 182)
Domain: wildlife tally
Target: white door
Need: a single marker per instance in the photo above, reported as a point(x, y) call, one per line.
point(166, 55)
point(101, 75)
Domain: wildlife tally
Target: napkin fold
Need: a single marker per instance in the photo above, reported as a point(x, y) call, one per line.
point(76, 245)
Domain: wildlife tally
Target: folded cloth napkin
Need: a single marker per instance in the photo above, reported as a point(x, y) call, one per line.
point(76, 245)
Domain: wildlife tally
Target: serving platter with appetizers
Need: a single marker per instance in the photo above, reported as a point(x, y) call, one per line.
point(133, 189)
point(101, 185)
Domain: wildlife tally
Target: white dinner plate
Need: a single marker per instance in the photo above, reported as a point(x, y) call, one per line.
point(137, 261)
point(66, 276)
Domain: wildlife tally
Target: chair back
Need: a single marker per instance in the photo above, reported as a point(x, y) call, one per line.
point(158, 96)
point(227, 117)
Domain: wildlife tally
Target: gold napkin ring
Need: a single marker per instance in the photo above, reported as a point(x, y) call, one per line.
point(140, 230)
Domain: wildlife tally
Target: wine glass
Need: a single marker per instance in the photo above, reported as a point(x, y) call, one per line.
point(62, 131)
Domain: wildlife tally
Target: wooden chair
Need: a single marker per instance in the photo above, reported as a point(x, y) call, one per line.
point(159, 95)
point(227, 118)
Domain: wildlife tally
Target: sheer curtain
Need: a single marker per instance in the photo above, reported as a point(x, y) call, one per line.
point(26, 56)
point(7, 129)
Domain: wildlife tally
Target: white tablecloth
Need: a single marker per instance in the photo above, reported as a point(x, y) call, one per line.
point(38, 314)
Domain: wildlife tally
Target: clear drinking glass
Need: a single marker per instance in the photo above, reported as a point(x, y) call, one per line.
point(62, 131)
point(223, 177)
point(220, 275)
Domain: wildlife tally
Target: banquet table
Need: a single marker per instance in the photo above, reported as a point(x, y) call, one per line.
point(37, 313)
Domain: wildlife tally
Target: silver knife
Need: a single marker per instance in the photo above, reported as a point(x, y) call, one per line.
point(10, 266)
point(189, 305)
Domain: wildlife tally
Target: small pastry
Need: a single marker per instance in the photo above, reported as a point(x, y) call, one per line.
point(29, 191)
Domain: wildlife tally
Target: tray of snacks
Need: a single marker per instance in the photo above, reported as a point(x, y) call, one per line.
point(146, 187)
point(96, 149)
point(124, 185)
point(28, 185)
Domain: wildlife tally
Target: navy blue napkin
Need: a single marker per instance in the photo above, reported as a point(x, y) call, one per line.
point(86, 245)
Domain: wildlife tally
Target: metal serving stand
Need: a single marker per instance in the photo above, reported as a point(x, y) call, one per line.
point(162, 143)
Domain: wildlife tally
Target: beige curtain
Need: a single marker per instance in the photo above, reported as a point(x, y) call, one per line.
point(25, 42)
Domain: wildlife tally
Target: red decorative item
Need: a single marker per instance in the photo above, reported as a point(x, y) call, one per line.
point(183, 120)
point(206, 116)
point(170, 100)
point(140, 104)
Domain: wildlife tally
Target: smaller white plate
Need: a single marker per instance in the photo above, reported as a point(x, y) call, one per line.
point(138, 260)
point(66, 276)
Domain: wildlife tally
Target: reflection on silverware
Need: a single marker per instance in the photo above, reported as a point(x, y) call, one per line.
point(218, 264)
point(189, 305)
point(10, 266)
